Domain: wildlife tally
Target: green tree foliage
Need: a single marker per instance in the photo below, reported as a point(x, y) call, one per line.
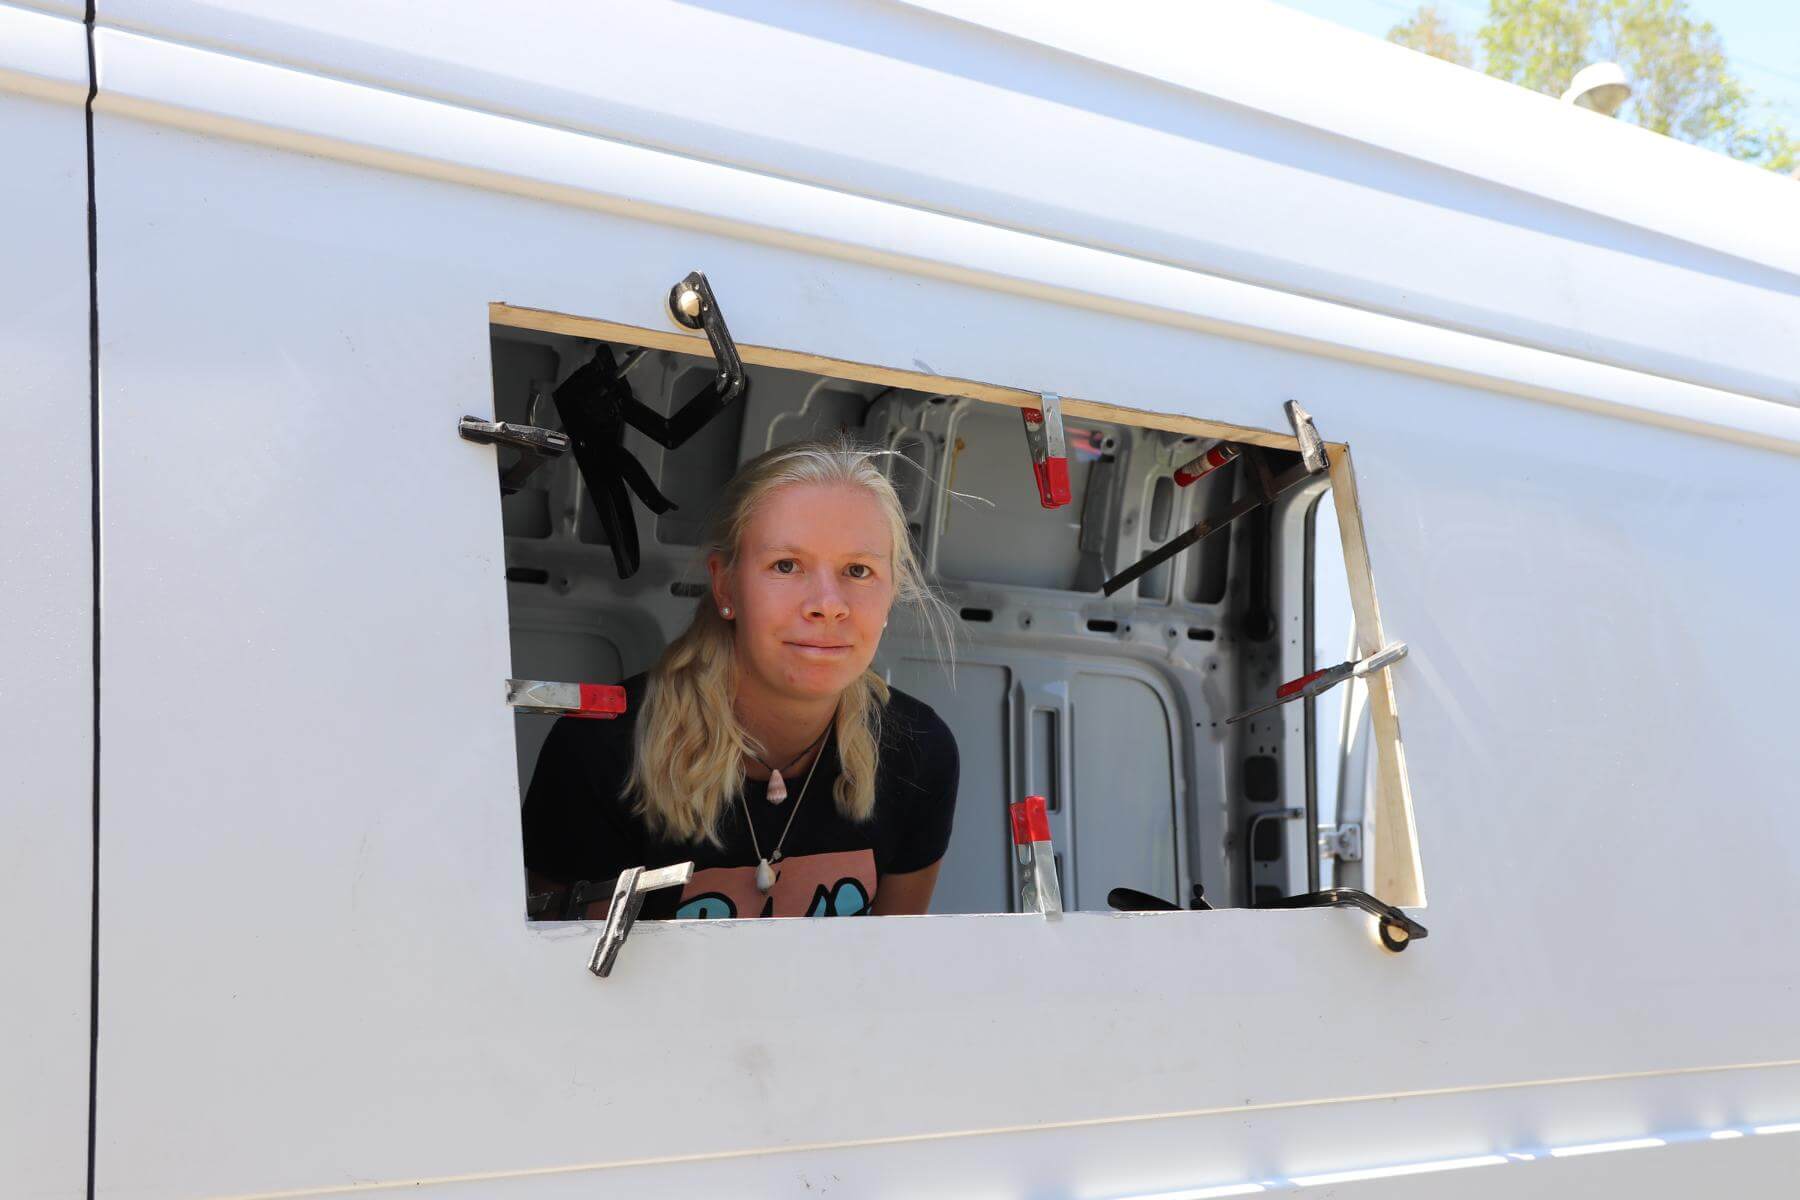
point(1681, 82)
point(1429, 32)
point(1771, 145)
point(1538, 44)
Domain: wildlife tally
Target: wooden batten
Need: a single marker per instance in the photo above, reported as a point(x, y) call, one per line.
point(837, 368)
point(1399, 878)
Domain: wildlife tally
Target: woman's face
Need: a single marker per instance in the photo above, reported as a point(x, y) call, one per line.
point(810, 590)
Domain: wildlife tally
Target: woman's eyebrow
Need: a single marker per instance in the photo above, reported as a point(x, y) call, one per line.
point(864, 553)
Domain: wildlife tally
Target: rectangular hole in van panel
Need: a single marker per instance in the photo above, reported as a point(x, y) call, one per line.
point(1155, 584)
point(1043, 757)
point(1262, 779)
point(1212, 565)
point(1210, 562)
point(977, 614)
point(527, 575)
point(1266, 846)
point(1162, 507)
point(687, 591)
point(1101, 625)
point(1196, 634)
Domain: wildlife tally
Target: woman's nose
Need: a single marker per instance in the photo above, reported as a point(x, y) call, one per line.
point(827, 603)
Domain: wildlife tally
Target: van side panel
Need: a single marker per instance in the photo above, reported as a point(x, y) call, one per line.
point(318, 975)
point(1481, 209)
point(46, 610)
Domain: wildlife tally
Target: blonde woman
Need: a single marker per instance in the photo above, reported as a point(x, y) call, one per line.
point(761, 746)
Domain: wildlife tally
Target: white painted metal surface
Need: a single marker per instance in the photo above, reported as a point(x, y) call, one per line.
point(46, 659)
point(1400, 184)
point(315, 977)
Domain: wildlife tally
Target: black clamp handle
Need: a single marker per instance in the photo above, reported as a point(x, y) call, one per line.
point(1397, 929)
point(596, 403)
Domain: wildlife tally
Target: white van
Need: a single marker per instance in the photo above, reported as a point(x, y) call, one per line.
point(266, 915)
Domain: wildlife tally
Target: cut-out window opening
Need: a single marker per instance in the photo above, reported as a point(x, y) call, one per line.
point(1119, 709)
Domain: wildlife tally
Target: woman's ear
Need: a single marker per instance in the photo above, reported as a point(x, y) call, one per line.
point(721, 585)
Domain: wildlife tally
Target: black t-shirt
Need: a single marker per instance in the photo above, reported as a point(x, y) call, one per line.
point(579, 825)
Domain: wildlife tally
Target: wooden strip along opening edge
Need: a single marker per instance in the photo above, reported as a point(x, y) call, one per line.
point(1399, 876)
point(543, 321)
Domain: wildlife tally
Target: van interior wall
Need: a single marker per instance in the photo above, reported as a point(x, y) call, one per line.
point(1112, 708)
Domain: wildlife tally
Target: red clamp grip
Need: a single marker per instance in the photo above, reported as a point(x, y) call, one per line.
point(1052, 482)
point(601, 700)
point(1205, 465)
point(1030, 821)
point(1045, 439)
point(1293, 686)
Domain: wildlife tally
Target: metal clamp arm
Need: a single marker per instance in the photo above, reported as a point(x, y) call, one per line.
point(535, 445)
point(692, 305)
point(552, 698)
point(622, 913)
point(1397, 929)
point(1326, 678)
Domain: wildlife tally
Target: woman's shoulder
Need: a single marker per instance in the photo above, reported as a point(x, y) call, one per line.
point(919, 761)
point(916, 723)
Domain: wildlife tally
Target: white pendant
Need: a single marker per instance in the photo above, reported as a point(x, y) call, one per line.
point(765, 876)
point(777, 790)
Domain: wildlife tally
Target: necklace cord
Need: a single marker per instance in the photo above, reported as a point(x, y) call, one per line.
point(793, 812)
point(810, 746)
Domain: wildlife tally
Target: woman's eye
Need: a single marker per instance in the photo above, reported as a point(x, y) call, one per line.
point(786, 566)
point(859, 571)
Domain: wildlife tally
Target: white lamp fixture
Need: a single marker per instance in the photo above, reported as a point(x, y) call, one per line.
point(1601, 86)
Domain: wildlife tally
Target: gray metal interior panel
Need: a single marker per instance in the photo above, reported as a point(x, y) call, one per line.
point(830, 408)
point(974, 876)
point(996, 531)
point(1124, 812)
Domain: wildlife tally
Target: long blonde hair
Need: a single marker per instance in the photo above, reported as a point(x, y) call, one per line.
point(690, 748)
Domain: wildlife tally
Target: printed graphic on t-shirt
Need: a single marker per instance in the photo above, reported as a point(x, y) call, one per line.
point(840, 884)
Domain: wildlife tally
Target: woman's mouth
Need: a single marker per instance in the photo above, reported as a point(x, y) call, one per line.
point(820, 649)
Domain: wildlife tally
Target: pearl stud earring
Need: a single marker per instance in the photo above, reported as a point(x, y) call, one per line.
point(726, 612)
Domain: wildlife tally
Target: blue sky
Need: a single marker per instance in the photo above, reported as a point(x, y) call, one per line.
point(1762, 37)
